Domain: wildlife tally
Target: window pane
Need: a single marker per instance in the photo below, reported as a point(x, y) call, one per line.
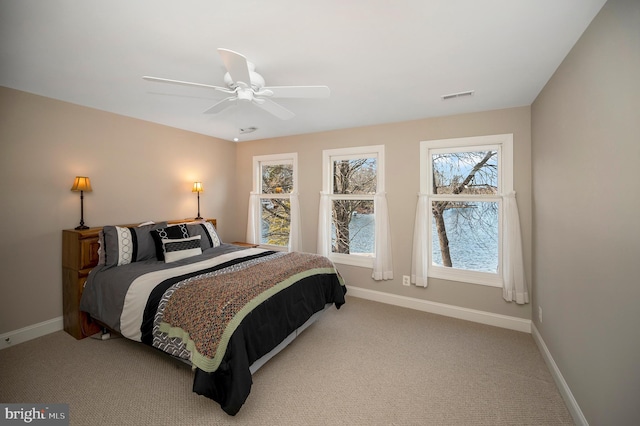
point(355, 176)
point(471, 229)
point(465, 172)
point(275, 221)
point(353, 227)
point(277, 179)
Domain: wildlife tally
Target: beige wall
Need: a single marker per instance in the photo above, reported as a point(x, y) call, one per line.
point(139, 171)
point(402, 141)
point(586, 154)
point(143, 171)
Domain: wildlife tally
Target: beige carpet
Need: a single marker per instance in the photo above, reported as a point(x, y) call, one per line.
point(366, 364)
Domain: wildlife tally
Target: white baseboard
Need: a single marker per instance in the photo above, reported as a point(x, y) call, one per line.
point(30, 332)
point(504, 321)
point(563, 387)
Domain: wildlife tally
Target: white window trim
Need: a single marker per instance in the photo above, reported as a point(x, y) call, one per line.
point(267, 160)
point(505, 185)
point(328, 156)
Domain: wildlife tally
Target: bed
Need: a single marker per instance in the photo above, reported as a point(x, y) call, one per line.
point(223, 308)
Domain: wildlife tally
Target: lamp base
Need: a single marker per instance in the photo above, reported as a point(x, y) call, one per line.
point(198, 217)
point(81, 227)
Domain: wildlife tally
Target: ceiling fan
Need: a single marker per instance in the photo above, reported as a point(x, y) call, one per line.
point(244, 84)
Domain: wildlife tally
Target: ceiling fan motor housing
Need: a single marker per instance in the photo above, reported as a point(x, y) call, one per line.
point(257, 81)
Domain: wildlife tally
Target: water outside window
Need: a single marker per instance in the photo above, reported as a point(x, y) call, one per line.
point(472, 232)
point(361, 236)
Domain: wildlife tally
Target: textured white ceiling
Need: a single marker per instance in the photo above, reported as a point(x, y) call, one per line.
point(384, 61)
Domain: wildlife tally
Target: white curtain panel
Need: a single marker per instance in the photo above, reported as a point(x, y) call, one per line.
point(383, 263)
point(515, 285)
point(420, 242)
point(295, 238)
point(324, 224)
point(252, 219)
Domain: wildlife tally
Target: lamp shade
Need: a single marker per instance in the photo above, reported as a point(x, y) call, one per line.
point(197, 187)
point(82, 183)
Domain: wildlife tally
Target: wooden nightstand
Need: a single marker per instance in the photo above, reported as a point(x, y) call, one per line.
point(79, 256)
point(241, 244)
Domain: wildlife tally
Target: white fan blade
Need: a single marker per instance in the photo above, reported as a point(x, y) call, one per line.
point(275, 109)
point(236, 65)
point(219, 106)
point(298, 91)
point(187, 83)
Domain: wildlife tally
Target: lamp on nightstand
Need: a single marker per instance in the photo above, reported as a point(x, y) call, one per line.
point(82, 184)
point(197, 187)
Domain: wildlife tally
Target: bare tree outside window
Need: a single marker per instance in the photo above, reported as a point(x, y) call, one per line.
point(459, 180)
point(277, 180)
point(354, 182)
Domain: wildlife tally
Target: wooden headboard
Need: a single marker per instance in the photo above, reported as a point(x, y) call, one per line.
point(79, 257)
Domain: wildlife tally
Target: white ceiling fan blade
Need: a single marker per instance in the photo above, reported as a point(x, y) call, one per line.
point(237, 66)
point(275, 109)
point(187, 83)
point(298, 91)
point(219, 106)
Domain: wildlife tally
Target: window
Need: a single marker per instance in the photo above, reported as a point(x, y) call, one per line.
point(464, 180)
point(351, 179)
point(275, 180)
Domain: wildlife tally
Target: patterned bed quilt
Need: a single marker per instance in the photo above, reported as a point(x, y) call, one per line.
point(221, 310)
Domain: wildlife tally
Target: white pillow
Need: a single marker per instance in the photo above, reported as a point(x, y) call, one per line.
point(181, 248)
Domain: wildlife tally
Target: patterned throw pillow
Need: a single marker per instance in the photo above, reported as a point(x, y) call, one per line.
point(208, 233)
point(168, 233)
point(181, 248)
point(122, 245)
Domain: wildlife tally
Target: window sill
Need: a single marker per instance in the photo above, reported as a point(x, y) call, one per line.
point(353, 260)
point(463, 276)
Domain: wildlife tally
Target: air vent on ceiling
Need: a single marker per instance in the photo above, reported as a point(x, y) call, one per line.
point(246, 130)
point(457, 95)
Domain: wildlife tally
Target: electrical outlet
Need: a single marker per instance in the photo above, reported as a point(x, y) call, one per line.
point(540, 314)
point(406, 280)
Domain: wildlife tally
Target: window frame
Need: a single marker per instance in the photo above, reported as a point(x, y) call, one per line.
point(270, 160)
point(503, 144)
point(328, 157)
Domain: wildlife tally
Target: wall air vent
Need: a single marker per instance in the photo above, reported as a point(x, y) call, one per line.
point(457, 95)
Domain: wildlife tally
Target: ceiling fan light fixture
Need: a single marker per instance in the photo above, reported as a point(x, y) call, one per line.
point(244, 94)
